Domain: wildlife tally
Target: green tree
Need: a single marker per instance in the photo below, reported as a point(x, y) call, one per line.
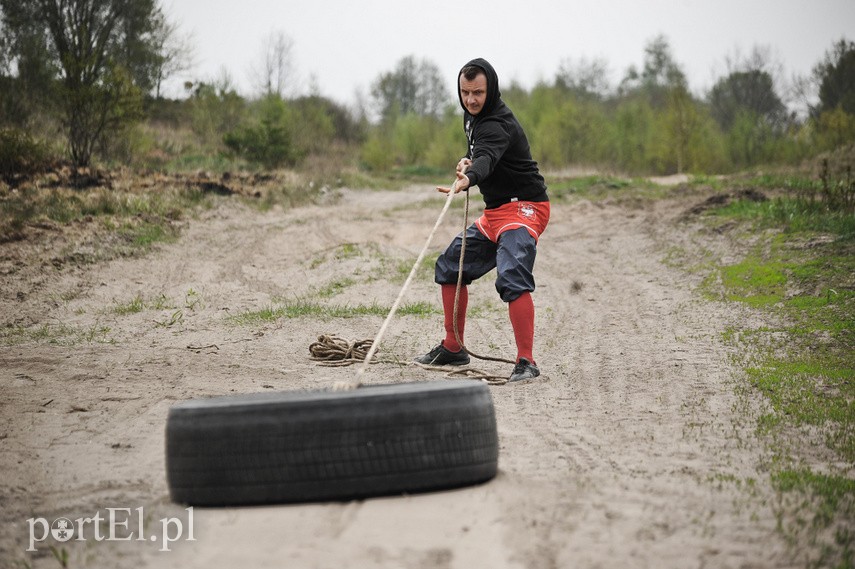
point(271, 142)
point(216, 109)
point(315, 121)
point(834, 116)
point(681, 122)
point(834, 128)
point(836, 78)
point(573, 131)
point(749, 140)
point(28, 67)
point(376, 153)
point(748, 110)
point(663, 127)
point(448, 144)
point(634, 135)
point(412, 136)
point(660, 74)
point(97, 56)
point(751, 91)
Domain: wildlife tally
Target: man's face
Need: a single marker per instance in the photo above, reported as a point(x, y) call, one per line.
point(473, 93)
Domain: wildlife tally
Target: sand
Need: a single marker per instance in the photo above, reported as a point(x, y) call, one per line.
point(630, 451)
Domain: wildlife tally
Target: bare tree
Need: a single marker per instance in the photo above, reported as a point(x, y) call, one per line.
point(585, 77)
point(803, 95)
point(414, 87)
point(5, 48)
point(751, 86)
point(661, 74)
point(276, 72)
point(175, 51)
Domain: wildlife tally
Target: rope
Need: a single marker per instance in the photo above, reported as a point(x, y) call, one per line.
point(335, 351)
point(470, 372)
point(357, 381)
point(457, 292)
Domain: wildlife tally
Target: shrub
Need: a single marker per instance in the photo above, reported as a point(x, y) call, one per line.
point(271, 142)
point(21, 156)
point(376, 154)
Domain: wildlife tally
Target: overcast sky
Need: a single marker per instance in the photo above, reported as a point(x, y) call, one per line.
point(343, 46)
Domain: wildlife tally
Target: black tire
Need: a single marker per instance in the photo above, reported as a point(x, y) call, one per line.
point(267, 448)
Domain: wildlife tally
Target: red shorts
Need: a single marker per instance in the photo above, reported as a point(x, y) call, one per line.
point(532, 215)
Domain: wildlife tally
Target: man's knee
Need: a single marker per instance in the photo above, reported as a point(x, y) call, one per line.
point(446, 268)
point(515, 264)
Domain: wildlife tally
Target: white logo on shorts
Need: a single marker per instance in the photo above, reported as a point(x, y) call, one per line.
point(527, 211)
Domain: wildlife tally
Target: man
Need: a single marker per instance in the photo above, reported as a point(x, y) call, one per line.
point(505, 237)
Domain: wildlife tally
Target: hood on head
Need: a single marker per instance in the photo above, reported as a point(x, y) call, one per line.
point(493, 94)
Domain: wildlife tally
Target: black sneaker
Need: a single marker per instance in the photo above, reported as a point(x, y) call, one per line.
point(524, 370)
point(440, 356)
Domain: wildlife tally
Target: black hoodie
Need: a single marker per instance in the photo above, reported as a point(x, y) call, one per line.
point(502, 166)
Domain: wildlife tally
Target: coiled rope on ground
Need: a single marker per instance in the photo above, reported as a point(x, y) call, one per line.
point(333, 351)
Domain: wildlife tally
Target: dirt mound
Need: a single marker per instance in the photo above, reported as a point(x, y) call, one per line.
point(723, 199)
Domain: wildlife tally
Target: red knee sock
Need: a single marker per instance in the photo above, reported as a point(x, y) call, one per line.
point(521, 312)
point(448, 291)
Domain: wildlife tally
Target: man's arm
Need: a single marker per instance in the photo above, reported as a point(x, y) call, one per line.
point(493, 141)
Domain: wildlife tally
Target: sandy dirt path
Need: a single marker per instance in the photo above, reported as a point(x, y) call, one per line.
point(624, 454)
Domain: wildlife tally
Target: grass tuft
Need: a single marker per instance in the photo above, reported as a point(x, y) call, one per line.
point(309, 309)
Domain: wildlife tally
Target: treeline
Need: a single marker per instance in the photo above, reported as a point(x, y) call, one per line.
point(81, 79)
point(651, 123)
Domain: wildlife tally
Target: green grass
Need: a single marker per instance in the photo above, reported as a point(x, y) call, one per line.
point(799, 275)
point(424, 271)
point(339, 253)
point(792, 215)
point(833, 491)
point(141, 210)
point(147, 234)
point(208, 162)
point(334, 288)
point(420, 172)
point(64, 205)
point(137, 304)
point(821, 517)
point(584, 186)
point(805, 367)
point(754, 282)
point(810, 389)
point(58, 334)
point(160, 302)
point(322, 311)
point(597, 187)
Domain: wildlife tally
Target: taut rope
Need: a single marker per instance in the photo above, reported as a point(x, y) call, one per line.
point(357, 380)
point(457, 293)
point(335, 351)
